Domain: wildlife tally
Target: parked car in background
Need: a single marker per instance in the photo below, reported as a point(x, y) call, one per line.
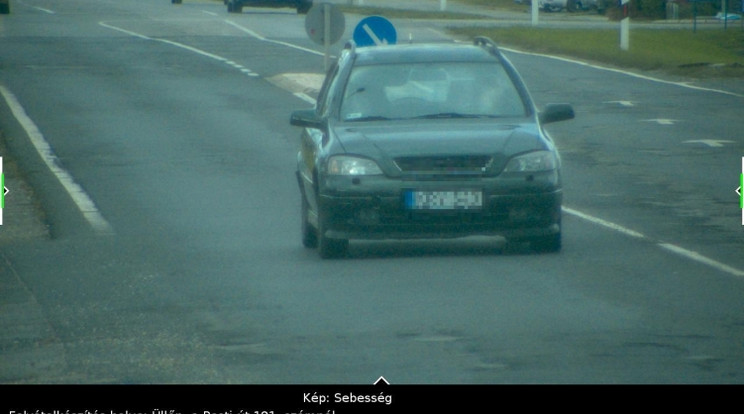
point(236, 6)
point(571, 5)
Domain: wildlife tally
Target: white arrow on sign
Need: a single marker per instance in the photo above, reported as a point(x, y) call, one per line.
point(738, 191)
point(713, 143)
point(374, 37)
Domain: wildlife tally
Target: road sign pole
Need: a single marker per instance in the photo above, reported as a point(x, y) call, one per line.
point(625, 27)
point(535, 13)
point(326, 34)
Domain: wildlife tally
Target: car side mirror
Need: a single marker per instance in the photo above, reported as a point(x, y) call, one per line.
point(556, 112)
point(306, 118)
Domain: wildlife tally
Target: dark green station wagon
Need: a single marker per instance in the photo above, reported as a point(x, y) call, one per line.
point(427, 141)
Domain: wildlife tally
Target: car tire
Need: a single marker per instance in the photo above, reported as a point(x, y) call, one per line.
point(233, 7)
point(547, 244)
point(309, 234)
point(329, 248)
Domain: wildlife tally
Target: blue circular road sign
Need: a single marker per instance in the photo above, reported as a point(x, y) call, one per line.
point(375, 31)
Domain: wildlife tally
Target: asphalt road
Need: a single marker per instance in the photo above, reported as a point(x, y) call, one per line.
point(185, 265)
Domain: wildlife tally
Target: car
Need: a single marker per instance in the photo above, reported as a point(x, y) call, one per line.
point(727, 16)
point(236, 6)
point(572, 5)
point(552, 5)
point(4, 6)
point(438, 140)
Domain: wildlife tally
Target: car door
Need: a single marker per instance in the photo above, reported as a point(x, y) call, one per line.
point(312, 139)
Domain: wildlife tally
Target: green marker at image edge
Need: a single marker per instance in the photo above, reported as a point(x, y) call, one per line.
point(2, 190)
point(741, 190)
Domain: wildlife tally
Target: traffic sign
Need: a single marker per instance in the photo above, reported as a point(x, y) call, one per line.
point(320, 16)
point(375, 31)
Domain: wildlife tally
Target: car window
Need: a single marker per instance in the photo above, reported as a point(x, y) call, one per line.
point(430, 89)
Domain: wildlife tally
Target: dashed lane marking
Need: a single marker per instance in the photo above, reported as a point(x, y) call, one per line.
point(198, 51)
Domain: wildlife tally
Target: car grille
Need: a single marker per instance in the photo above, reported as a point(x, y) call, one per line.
point(467, 164)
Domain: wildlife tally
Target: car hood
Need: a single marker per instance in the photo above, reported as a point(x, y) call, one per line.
point(440, 138)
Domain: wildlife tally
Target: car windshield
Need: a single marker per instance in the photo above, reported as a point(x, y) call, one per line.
point(430, 90)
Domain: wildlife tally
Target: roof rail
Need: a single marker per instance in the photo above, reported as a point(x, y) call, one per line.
point(487, 43)
point(350, 45)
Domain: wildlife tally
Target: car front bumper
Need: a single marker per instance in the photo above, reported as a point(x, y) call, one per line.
point(523, 207)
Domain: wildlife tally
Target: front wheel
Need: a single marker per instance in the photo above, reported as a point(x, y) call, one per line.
point(309, 234)
point(234, 7)
point(329, 248)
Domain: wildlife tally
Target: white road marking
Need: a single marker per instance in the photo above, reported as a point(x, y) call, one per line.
point(47, 11)
point(688, 254)
point(662, 121)
point(278, 42)
point(713, 143)
point(183, 46)
point(307, 98)
point(612, 226)
point(78, 195)
point(624, 72)
point(628, 104)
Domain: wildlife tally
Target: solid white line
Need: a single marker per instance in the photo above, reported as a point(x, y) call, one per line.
point(119, 29)
point(624, 72)
point(264, 39)
point(689, 254)
point(78, 195)
point(604, 223)
point(702, 259)
point(44, 10)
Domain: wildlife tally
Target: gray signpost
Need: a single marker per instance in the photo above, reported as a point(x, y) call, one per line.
point(325, 24)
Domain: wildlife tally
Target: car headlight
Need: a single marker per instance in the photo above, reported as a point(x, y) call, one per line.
point(349, 165)
point(532, 162)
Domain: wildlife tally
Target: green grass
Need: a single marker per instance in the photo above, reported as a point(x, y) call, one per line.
point(682, 52)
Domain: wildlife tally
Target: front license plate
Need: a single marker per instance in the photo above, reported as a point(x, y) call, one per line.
point(444, 200)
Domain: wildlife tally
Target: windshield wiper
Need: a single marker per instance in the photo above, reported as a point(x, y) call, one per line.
point(369, 118)
point(444, 115)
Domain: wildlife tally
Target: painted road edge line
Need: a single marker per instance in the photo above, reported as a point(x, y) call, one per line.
point(81, 199)
point(681, 251)
point(624, 72)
